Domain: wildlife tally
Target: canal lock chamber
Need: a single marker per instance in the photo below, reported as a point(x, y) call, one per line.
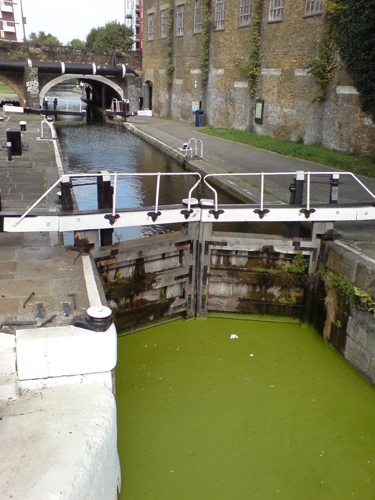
point(194, 272)
point(267, 272)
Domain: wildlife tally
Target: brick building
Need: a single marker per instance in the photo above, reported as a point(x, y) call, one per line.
point(288, 31)
point(7, 22)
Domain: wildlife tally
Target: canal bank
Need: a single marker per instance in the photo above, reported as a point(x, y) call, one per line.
point(57, 409)
point(154, 260)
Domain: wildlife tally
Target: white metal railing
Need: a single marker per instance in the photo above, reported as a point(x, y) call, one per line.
point(263, 175)
point(196, 142)
point(240, 212)
point(114, 177)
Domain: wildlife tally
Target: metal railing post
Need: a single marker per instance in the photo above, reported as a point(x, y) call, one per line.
point(157, 193)
point(262, 191)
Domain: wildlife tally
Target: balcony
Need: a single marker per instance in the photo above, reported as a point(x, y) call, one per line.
point(8, 28)
point(6, 8)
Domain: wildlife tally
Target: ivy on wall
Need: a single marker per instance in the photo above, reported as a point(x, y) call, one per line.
point(349, 27)
point(322, 65)
point(355, 38)
point(169, 52)
point(207, 24)
point(250, 63)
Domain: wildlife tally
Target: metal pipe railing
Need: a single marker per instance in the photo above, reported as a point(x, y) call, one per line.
point(115, 176)
point(263, 175)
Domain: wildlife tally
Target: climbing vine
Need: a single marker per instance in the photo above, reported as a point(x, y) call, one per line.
point(169, 58)
point(355, 39)
point(321, 65)
point(250, 63)
point(207, 23)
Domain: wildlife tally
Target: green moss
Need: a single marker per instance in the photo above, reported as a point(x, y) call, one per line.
point(128, 287)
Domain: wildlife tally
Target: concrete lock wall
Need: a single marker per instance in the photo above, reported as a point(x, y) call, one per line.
point(358, 343)
point(285, 84)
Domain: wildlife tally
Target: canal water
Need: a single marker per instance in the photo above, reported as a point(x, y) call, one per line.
point(272, 414)
point(91, 145)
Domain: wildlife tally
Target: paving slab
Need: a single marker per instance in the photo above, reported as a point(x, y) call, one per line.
point(29, 264)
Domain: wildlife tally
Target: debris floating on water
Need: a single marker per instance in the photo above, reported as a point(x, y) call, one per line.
point(251, 355)
point(233, 336)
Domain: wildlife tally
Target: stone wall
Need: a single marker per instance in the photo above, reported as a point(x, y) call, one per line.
point(357, 343)
point(285, 84)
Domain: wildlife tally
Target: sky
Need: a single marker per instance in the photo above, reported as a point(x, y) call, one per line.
point(67, 19)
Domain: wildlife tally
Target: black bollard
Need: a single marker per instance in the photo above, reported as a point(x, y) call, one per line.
point(105, 200)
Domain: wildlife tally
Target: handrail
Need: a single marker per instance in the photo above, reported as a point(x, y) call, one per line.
point(262, 176)
point(115, 176)
point(196, 141)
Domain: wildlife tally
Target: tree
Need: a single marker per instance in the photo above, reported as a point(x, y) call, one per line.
point(42, 39)
point(76, 43)
point(355, 38)
point(114, 36)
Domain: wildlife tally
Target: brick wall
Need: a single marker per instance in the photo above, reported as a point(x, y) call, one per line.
point(285, 85)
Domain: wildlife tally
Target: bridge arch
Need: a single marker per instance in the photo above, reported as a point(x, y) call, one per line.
point(64, 78)
point(19, 93)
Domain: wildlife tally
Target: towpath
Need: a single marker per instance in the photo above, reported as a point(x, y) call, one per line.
point(34, 264)
point(222, 156)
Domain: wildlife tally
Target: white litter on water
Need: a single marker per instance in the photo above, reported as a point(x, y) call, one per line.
point(251, 355)
point(233, 336)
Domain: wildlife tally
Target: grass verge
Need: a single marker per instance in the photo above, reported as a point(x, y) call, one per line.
point(349, 162)
point(5, 88)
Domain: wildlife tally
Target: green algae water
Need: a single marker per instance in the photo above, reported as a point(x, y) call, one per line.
point(271, 414)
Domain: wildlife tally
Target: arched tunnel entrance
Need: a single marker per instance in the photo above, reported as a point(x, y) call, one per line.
point(17, 99)
point(102, 89)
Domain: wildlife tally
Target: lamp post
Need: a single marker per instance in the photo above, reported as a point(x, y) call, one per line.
point(23, 23)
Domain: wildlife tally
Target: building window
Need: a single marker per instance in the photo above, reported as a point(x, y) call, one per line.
point(276, 10)
point(198, 16)
point(180, 20)
point(244, 19)
point(219, 14)
point(150, 27)
point(313, 7)
point(163, 24)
